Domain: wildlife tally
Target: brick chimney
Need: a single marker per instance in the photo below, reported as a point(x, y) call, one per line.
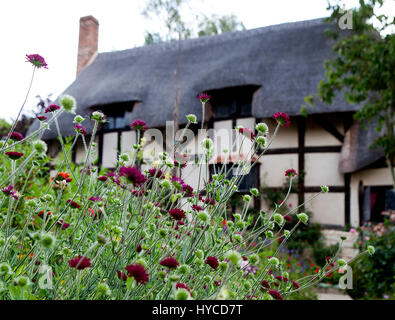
point(87, 45)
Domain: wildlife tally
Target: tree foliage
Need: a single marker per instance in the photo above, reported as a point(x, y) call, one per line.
point(364, 69)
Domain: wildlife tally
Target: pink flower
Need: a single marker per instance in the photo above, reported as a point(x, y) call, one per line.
point(139, 125)
point(352, 230)
point(80, 129)
point(41, 118)
point(133, 175)
point(204, 97)
point(102, 178)
point(212, 262)
point(63, 224)
point(36, 60)
point(153, 172)
point(182, 285)
point(282, 119)
point(247, 133)
point(197, 208)
point(51, 108)
point(73, 204)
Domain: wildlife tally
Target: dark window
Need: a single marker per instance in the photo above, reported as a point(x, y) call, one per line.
point(250, 180)
point(376, 200)
point(235, 102)
point(117, 115)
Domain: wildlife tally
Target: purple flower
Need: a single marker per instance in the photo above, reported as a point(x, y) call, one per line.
point(41, 118)
point(80, 129)
point(204, 97)
point(36, 60)
point(133, 175)
point(51, 108)
point(94, 199)
point(139, 125)
point(8, 190)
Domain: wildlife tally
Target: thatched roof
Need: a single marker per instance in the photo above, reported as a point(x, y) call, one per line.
point(285, 60)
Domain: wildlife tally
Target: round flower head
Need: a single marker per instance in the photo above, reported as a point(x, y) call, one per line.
point(169, 262)
point(138, 272)
point(212, 262)
point(254, 192)
point(36, 60)
point(202, 215)
point(234, 257)
point(80, 263)
point(275, 294)
point(207, 144)
point(22, 281)
point(341, 262)
point(16, 136)
point(192, 118)
point(262, 128)
point(78, 119)
point(51, 108)
point(47, 240)
point(278, 218)
point(303, 217)
point(41, 118)
point(103, 289)
point(98, 116)
point(133, 175)
point(371, 250)
point(290, 173)
point(282, 119)
point(68, 103)
point(274, 261)
point(40, 146)
point(139, 125)
point(177, 214)
point(324, 189)
point(80, 129)
point(182, 294)
point(204, 97)
point(5, 268)
point(14, 155)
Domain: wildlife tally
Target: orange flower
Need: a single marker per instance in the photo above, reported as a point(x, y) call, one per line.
point(64, 175)
point(31, 255)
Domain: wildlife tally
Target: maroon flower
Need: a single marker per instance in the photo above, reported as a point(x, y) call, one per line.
point(210, 201)
point(139, 125)
point(288, 218)
point(197, 208)
point(94, 199)
point(80, 129)
point(139, 248)
point(187, 189)
point(247, 133)
point(265, 284)
point(282, 278)
point(121, 275)
point(133, 175)
point(177, 214)
point(51, 108)
point(169, 262)
point(36, 60)
point(182, 285)
point(282, 119)
point(204, 97)
point(153, 172)
point(275, 294)
point(73, 204)
point(295, 284)
point(8, 190)
point(290, 173)
point(14, 155)
point(138, 272)
point(63, 224)
point(41, 118)
point(102, 178)
point(80, 263)
point(17, 136)
point(212, 262)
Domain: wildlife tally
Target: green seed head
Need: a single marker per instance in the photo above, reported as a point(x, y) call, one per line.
point(234, 257)
point(68, 103)
point(341, 262)
point(182, 294)
point(22, 281)
point(47, 240)
point(303, 217)
point(261, 141)
point(279, 219)
point(103, 289)
point(5, 268)
point(371, 250)
point(324, 189)
point(40, 146)
point(192, 118)
point(262, 128)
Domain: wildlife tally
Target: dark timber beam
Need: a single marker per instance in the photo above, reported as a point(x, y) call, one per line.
point(301, 123)
point(328, 127)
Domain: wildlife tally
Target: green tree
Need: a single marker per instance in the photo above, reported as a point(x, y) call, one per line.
point(169, 13)
point(364, 69)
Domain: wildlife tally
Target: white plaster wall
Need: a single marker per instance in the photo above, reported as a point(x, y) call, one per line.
point(223, 136)
point(318, 136)
point(327, 208)
point(290, 203)
point(110, 145)
point(190, 175)
point(243, 144)
point(322, 168)
point(286, 137)
point(273, 167)
point(151, 152)
point(128, 139)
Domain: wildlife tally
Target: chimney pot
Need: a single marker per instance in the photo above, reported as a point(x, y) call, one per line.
point(88, 41)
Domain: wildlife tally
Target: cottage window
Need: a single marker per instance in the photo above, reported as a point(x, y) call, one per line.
point(376, 199)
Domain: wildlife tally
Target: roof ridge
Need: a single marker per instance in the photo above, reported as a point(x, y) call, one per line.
point(201, 41)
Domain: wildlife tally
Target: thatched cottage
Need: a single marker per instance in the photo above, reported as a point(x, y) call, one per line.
point(250, 75)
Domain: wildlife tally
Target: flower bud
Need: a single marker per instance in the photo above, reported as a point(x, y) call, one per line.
point(254, 192)
point(279, 219)
point(324, 189)
point(98, 116)
point(5, 268)
point(47, 240)
point(78, 119)
point(303, 217)
point(234, 257)
point(199, 253)
point(371, 250)
point(22, 281)
point(192, 118)
point(103, 289)
point(341, 262)
point(262, 128)
point(261, 141)
point(40, 146)
point(207, 144)
point(182, 294)
point(274, 261)
point(202, 215)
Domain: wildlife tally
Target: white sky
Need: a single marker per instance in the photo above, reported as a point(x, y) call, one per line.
point(51, 28)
